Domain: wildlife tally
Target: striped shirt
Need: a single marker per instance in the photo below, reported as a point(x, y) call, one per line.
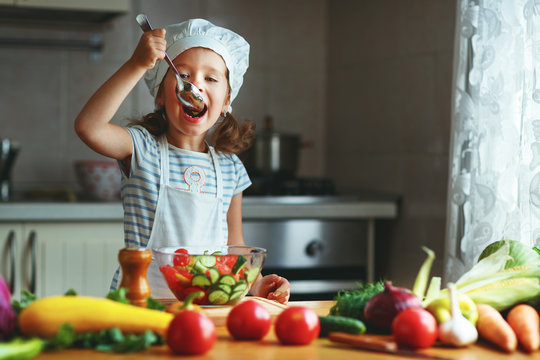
point(140, 190)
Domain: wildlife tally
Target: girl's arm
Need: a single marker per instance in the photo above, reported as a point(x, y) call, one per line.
point(93, 123)
point(234, 221)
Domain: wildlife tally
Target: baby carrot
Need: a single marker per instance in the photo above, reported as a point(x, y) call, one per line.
point(525, 321)
point(492, 327)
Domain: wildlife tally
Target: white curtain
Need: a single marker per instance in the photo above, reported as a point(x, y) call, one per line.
point(494, 185)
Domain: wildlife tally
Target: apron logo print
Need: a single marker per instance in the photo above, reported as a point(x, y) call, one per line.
point(195, 178)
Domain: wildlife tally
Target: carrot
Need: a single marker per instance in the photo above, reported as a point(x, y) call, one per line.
point(525, 321)
point(492, 327)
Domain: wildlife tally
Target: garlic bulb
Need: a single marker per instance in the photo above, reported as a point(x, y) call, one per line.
point(458, 331)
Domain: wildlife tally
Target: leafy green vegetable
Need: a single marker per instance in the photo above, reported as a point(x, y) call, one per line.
point(154, 304)
point(351, 303)
point(111, 340)
point(26, 298)
point(119, 295)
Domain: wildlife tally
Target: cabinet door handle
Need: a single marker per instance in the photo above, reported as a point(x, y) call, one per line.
point(11, 251)
point(32, 250)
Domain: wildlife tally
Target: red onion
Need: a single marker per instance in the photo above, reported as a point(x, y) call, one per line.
point(7, 315)
point(381, 309)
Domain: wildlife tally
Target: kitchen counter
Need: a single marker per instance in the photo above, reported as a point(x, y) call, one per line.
point(270, 348)
point(253, 208)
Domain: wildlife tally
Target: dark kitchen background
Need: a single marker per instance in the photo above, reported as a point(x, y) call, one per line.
point(366, 83)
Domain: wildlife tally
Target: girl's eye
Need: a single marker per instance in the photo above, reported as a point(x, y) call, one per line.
point(211, 79)
point(184, 76)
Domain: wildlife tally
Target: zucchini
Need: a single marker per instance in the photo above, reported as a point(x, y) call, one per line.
point(44, 317)
point(214, 275)
point(228, 280)
point(200, 280)
point(239, 264)
point(340, 323)
point(218, 297)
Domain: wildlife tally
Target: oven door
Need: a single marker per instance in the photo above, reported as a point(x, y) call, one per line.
point(318, 257)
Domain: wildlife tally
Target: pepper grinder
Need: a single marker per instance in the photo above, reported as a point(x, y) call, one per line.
point(134, 262)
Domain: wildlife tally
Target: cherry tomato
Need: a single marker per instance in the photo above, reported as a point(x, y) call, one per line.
point(249, 320)
point(415, 328)
point(297, 325)
point(191, 332)
point(182, 259)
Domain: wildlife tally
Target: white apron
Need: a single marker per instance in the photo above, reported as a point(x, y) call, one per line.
point(185, 217)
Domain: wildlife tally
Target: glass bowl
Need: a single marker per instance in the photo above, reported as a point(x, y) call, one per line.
point(224, 273)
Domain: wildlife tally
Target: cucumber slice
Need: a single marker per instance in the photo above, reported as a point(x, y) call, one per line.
point(228, 280)
point(208, 260)
point(236, 294)
point(251, 274)
point(200, 280)
point(214, 275)
point(218, 297)
point(199, 267)
point(226, 288)
point(240, 286)
point(239, 264)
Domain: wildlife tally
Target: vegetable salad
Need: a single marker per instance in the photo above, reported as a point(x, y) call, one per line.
point(224, 279)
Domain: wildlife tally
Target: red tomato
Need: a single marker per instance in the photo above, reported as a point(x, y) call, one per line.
point(415, 328)
point(191, 332)
point(182, 259)
point(249, 320)
point(297, 325)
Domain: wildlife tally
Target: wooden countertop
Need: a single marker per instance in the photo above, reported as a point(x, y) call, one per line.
point(269, 348)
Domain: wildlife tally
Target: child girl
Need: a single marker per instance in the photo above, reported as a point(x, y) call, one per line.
point(177, 190)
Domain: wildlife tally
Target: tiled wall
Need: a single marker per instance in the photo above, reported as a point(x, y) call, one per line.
point(390, 63)
point(367, 82)
point(42, 90)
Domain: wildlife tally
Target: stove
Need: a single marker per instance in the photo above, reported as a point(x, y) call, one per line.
point(284, 186)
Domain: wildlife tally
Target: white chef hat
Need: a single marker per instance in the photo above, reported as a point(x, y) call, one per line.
point(201, 33)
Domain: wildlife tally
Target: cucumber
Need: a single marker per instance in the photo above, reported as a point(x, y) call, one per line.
point(200, 280)
point(218, 297)
point(207, 260)
point(239, 264)
point(236, 294)
point(199, 267)
point(224, 287)
point(240, 286)
point(228, 280)
point(251, 274)
point(21, 348)
point(214, 275)
point(340, 323)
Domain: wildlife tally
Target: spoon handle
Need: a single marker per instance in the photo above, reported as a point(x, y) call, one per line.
point(144, 23)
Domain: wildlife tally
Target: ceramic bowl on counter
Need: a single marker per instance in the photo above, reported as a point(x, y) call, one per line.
point(99, 179)
point(224, 273)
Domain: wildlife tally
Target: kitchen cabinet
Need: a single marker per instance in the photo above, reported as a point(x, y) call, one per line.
point(48, 258)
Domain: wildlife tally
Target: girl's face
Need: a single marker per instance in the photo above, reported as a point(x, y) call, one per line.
point(207, 71)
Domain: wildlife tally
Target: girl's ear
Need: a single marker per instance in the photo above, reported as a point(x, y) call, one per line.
point(226, 104)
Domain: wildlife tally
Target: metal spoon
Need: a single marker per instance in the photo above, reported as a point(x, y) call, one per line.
point(186, 92)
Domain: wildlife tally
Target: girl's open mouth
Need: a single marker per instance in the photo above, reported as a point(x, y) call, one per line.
point(193, 113)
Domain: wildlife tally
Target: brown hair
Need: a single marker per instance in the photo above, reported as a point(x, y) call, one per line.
point(229, 136)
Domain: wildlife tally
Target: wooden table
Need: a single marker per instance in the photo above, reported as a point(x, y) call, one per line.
point(269, 348)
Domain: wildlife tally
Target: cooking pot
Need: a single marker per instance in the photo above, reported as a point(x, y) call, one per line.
point(273, 154)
